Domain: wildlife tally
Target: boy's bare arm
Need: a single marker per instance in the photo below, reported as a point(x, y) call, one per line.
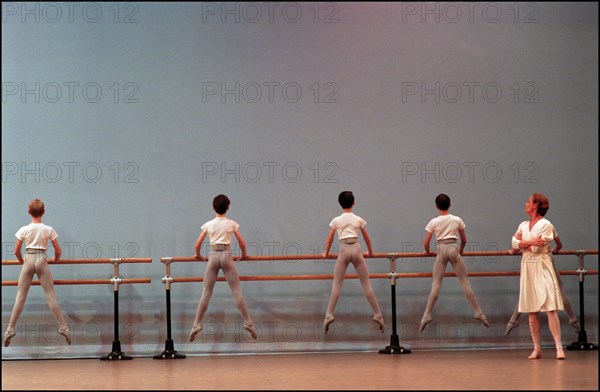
point(463, 240)
point(198, 244)
point(328, 242)
point(18, 251)
point(367, 241)
point(57, 251)
point(558, 246)
point(427, 241)
point(242, 243)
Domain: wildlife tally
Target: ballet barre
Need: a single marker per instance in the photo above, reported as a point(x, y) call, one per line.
point(393, 275)
point(128, 260)
point(72, 282)
point(116, 281)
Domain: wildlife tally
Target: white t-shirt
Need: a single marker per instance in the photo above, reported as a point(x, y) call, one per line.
point(219, 230)
point(445, 227)
point(347, 225)
point(36, 235)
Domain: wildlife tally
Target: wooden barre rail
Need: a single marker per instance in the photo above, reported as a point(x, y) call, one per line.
point(375, 256)
point(88, 261)
point(297, 257)
point(82, 281)
point(286, 277)
point(371, 276)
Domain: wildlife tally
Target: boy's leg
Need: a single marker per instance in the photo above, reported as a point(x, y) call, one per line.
point(47, 283)
point(210, 277)
point(24, 284)
point(439, 268)
point(461, 272)
point(573, 322)
point(341, 265)
point(513, 322)
point(363, 274)
point(233, 280)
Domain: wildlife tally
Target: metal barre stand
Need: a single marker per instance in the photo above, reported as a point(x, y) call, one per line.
point(116, 352)
point(394, 347)
point(169, 352)
point(582, 342)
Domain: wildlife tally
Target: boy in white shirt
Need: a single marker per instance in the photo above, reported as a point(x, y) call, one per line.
point(36, 236)
point(447, 228)
point(219, 232)
point(347, 226)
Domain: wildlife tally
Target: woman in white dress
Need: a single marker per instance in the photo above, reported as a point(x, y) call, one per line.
point(539, 288)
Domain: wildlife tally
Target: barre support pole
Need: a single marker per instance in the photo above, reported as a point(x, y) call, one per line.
point(116, 352)
point(169, 352)
point(582, 342)
point(394, 347)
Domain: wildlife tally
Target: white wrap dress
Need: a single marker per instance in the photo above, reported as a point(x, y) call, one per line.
point(539, 290)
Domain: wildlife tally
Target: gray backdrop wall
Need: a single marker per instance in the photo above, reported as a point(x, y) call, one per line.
point(128, 118)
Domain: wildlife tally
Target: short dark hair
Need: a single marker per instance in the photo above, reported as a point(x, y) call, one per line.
point(442, 202)
point(542, 203)
point(221, 204)
point(346, 199)
point(36, 208)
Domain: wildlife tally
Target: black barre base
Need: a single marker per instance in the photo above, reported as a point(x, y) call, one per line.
point(582, 344)
point(116, 353)
point(170, 352)
point(394, 347)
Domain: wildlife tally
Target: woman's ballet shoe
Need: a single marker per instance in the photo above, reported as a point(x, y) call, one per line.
point(424, 322)
point(535, 354)
point(327, 322)
point(252, 329)
point(481, 317)
point(510, 326)
point(195, 331)
point(560, 354)
point(9, 334)
point(379, 320)
point(64, 331)
point(575, 324)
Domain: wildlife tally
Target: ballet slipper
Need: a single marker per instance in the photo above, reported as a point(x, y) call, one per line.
point(10, 333)
point(252, 329)
point(510, 326)
point(378, 318)
point(328, 320)
point(64, 331)
point(575, 324)
point(195, 331)
point(536, 354)
point(481, 317)
point(424, 322)
point(560, 354)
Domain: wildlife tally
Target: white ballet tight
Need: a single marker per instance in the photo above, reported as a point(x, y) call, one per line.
point(351, 253)
point(221, 260)
point(35, 263)
point(449, 252)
